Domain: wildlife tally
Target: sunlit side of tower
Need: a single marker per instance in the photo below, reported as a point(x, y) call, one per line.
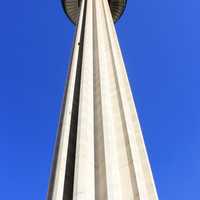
point(100, 152)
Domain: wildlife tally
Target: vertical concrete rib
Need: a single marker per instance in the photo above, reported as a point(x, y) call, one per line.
point(110, 114)
point(72, 146)
point(144, 178)
point(130, 176)
point(127, 168)
point(84, 187)
point(100, 169)
point(58, 174)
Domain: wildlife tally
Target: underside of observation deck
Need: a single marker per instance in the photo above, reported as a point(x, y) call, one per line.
point(72, 9)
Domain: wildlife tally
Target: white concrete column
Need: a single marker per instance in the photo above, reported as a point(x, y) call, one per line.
point(127, 169)
point(84, 180)
point(144, 178)
point(108, 115)
point(56, 186)
point(111, 161)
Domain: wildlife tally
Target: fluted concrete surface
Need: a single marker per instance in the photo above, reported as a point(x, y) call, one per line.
point(100, 152)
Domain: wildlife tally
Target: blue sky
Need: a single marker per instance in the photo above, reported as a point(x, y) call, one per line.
point(161, 48)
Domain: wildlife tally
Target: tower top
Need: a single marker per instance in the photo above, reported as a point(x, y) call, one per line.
point(72, 9)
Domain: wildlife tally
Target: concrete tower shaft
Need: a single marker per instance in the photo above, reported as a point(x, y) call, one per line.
point(100, 152)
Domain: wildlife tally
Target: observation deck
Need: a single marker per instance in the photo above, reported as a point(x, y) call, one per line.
point(72, 9)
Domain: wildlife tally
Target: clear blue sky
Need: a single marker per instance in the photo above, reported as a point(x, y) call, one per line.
point(161, 48)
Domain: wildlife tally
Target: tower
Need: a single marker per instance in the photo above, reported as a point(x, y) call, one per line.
point(100, 152)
